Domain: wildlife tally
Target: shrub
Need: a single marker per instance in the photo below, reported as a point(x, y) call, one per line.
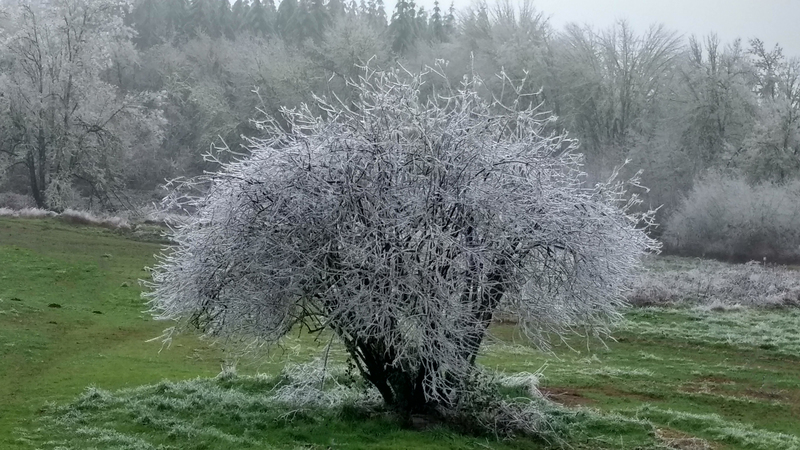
point(725, 217)
point(16, 202)
point(87, 218)
point(27, 213)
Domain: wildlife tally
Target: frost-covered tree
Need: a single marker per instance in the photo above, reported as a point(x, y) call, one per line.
point(402, 224)
point(349, 42)
point(66, 123)
point(612, 84)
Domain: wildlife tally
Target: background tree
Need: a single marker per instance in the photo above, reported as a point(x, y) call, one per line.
point(239, 11)
point(403, 27)
point(201, 17)
point(437, 23)
point(316, 21)
point(260, 17)
point(177, 16)
point(147, 17)
point(66, 122)
point(718, 103)
point(771, 152)
point(614, 82)
point(350, 43)
point(402, 224)
point(336, 9)
point(289, 20)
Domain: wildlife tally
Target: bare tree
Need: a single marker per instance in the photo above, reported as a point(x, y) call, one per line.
point(63, 121)
point(615, 81)
point(402, 224)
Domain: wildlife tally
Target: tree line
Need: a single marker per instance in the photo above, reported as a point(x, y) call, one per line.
point(102, 100)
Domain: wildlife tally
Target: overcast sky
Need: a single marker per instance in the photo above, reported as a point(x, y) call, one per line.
point(773, 21)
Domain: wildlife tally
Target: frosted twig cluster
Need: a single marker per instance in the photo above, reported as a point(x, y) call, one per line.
point(402, 223)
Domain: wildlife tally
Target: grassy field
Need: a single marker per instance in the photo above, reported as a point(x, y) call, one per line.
point(76, 370)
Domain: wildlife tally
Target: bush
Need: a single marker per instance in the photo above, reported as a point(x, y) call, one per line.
point(27, 213)
point(725, 217)
point(16, 202)
point(87, 218)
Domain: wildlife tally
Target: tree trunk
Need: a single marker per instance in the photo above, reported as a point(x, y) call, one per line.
point(36, 189)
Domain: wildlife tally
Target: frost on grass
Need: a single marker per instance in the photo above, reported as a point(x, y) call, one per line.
point(770, 330)
point(222, 411)
point(318, 385)
point(232, 411)
point(718, 428)
point(715, 285)
point(616, 372)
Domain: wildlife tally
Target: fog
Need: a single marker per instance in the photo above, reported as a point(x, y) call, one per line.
point(774, 21)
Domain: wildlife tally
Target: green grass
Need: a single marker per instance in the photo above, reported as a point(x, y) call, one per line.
point(668, 363)
point(71, 316)
point(76, 370)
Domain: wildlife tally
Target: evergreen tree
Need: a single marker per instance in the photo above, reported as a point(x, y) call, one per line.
point(351, 8)
point(372, 12)
point(272, 12)
point(437, 23)
point(200, 16)
point(258, 19)
point(147, 18)
point(380, 20)
point(287, 21)
point(421, 24)
point(221, 21)
point(315, 21)
point(376, 14)
point(239, 12)
point(450, 21)
point(403, 27)
point(176, 13)
point(336, 9)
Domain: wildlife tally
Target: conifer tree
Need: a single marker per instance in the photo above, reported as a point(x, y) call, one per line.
point(403, 26)
point(380, 12)
point(286, 23)
point(239, 12)
point(315, 21)
point(257, 20)
point(336, 9)
point(421, 23)
point(450, 21)
point(147, 18)
point(200, 14)
point(437, 23)
point(177, 17)
point(352, 8)
point(221, 20)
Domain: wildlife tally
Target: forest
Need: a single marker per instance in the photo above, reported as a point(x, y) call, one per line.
point(102, 101)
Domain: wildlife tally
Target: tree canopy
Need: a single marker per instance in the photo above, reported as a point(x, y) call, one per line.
point(403, 223)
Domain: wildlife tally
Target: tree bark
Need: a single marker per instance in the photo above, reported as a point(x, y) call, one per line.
point(36, 190)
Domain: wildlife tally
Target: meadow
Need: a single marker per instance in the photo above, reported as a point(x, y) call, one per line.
point(77, 370)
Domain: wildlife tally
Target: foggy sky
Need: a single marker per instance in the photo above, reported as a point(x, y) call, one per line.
point(773, 21)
